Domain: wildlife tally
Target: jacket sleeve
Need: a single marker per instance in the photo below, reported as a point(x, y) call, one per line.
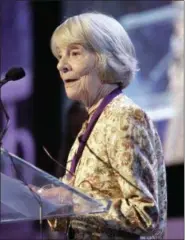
point(131, 151)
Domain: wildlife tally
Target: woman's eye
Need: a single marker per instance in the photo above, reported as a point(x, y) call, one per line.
point(75, 53)
point(59, 57)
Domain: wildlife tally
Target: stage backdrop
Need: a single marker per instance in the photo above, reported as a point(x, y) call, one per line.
point(16, 50)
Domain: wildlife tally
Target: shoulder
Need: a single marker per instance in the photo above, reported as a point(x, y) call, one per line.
point(122, 109)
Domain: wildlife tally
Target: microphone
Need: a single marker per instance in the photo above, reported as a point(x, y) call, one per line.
point(13, 74)
point(54, 160)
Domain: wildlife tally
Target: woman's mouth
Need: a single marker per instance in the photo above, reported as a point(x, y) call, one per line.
point(71, 80)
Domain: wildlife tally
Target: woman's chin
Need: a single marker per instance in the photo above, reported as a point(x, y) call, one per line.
point(72, 95)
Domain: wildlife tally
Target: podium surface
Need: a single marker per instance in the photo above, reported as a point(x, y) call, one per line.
point(20, 203)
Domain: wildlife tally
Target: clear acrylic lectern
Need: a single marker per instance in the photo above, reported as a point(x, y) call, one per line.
point(19, 202)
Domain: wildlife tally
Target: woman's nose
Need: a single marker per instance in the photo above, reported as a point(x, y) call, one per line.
point(63, 67)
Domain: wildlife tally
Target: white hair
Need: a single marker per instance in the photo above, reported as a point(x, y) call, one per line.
point(105, 36)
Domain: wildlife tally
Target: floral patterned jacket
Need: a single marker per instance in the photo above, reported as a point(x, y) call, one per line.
point(129, 170)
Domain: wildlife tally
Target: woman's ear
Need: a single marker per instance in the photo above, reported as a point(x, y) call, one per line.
point(97, 60)
point(101, 66)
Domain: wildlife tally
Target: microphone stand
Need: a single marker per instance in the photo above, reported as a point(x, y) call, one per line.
point(2, 134)
point(4, 130)
point(0, 152)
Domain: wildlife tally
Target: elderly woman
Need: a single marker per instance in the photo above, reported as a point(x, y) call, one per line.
point(117, 154)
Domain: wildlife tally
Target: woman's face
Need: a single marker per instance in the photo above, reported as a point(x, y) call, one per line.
point(76, 66)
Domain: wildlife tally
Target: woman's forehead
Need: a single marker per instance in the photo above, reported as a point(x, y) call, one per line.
point(67, 46)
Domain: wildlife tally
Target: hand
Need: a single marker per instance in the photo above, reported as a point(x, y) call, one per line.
point(55, 194)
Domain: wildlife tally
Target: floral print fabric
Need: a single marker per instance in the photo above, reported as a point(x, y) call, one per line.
point(123, 162)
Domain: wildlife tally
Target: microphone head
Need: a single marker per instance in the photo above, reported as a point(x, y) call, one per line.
point(15, 73)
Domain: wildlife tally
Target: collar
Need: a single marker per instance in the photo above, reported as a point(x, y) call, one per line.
point(93, 108)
